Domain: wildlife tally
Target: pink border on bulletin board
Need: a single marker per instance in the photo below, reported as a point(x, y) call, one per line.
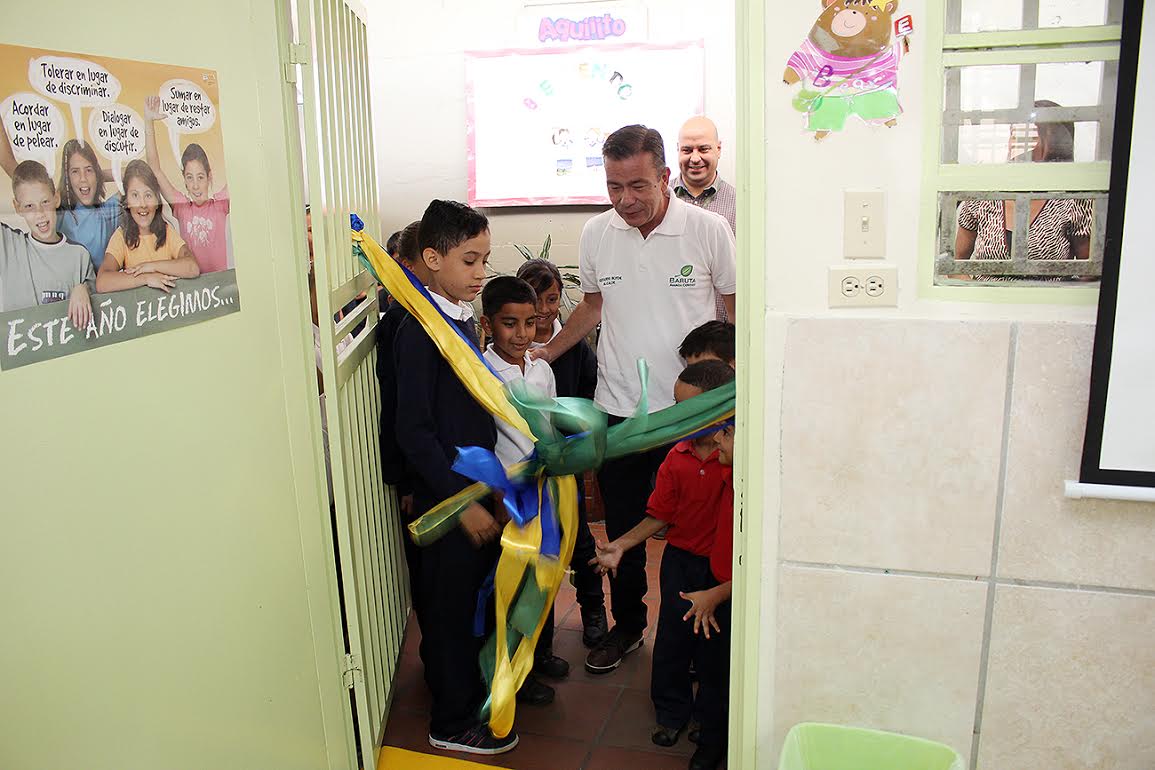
point(471, 139)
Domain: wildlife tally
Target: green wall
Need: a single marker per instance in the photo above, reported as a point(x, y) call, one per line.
point(166, 592)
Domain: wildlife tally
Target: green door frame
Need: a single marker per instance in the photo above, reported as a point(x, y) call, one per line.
point(754, 588)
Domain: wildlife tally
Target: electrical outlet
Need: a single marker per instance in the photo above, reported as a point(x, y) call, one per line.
point(866, 286)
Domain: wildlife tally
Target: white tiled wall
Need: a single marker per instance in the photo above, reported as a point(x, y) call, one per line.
point(896, 653)
point(1046, 536)
point(894, 435)
point(890, 443)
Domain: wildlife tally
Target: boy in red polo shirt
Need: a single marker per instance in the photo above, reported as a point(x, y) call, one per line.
point(691, 486)
point(710, 615)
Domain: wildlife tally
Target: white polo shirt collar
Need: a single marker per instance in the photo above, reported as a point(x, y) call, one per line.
point(673, 223)
point(458, 311)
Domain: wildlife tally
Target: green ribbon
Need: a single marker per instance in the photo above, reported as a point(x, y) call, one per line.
point(574, 437)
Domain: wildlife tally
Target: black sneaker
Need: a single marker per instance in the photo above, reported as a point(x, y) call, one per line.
point(476, 740)
point(608, 655)
point(549, 665)
point(594, 626)
point(534, 692)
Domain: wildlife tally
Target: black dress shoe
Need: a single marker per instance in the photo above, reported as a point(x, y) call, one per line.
point(534, 692)
point(551, 666)
point(665, 736)
point(594, 626)
point(707, 758)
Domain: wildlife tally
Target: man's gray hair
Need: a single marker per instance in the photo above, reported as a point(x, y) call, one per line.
point(629, 141)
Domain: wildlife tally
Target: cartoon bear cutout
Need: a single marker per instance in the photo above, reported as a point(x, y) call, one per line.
point(848, 65)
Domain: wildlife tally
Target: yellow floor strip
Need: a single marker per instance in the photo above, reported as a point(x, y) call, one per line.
point(399, 759)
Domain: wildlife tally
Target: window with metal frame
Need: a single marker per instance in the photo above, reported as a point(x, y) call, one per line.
point(1021, 162)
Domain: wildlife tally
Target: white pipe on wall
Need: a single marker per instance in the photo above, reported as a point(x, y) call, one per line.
point(1077, 490)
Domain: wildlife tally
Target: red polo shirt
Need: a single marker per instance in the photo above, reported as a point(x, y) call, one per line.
point(687, 495)
point(722, 554)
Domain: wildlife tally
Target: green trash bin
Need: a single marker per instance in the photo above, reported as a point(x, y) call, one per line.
point(815, 746)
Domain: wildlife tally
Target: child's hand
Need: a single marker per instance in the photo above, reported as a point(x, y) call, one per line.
point(501, 513)
point(79, 307)
point(702, 606)
point(479, 524)
point(142, 269)
point(159, 281)
point(608, 558)
point(152, 110)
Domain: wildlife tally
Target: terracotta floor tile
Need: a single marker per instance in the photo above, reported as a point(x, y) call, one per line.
point(579, 711)
point(411, 694)
point(407, 730)
point(610, 758)
point(634, 672)
point(630, 725)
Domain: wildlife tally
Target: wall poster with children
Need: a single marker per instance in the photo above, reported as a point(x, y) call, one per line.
point(114, 202)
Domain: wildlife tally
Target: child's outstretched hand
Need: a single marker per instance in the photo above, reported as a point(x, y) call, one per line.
point(79, 307)
point(152, 110)
point(608, 558)
point(702, 606)
point(479, 524)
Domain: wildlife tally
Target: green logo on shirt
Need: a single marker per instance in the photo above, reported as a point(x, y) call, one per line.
point(685, 278)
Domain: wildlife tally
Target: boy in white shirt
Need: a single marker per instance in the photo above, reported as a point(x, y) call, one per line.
point(509, 318)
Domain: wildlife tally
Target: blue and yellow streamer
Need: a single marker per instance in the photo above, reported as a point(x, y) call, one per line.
point(571, 436)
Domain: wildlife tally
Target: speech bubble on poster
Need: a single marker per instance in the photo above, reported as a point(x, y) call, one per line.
point(76, 82)
point(189, 110)
point(117, 132)
point(35, 128)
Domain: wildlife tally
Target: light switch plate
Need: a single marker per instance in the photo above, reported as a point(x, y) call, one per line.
point(864, 224)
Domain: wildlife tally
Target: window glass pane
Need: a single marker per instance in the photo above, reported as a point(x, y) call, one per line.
point(991, 15)
point(1072, 13)
point(989, 88)
point(1074, 84)
point(1002, 113)
point(996, 15)
point(978, 234)
point(992, 142)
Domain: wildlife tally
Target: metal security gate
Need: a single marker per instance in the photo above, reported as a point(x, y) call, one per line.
point(332, 54)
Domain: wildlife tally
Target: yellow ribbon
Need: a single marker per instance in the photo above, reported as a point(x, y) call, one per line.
point(520, 547)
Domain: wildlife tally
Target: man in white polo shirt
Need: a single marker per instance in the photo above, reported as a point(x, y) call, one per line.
point(650, 268)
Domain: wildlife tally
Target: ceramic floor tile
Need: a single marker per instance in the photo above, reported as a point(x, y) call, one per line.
point(411, 692)
point(611, 758)
point(579, 711)
point(630, 725)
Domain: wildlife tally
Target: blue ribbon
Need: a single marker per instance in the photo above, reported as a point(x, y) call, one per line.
point(483, 595)
point(355, 223)
point(709, 430)
point(519, 496)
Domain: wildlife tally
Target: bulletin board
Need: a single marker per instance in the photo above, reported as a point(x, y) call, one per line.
point(536, 119)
